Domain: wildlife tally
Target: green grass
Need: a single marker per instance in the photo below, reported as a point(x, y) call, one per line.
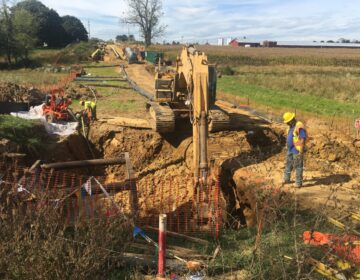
point(31, 77)
point(22, 132)
point(124, 106)
point(280, 99)
point(102, 71)
point(72, 54)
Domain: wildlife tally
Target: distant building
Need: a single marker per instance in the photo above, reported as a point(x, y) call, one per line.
point(236, 43)
point(269, 44)
point(221, 41)
point(228, 41)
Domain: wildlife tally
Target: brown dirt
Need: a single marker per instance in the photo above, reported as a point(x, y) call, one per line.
point(79, 91)
point(10, 92)
point(141, 76)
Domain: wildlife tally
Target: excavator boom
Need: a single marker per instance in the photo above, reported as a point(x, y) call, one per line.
point(193, 70)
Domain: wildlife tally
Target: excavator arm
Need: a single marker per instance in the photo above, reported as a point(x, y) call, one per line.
point(193, 74)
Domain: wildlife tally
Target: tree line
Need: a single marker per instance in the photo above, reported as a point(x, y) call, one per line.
point(30, 24)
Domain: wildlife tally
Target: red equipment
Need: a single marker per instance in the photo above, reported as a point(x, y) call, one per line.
point(346, 246)
point(57, 107)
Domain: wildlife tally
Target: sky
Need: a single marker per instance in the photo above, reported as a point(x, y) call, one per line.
point(206, 20)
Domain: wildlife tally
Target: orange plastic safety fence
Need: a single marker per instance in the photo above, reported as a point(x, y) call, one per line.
point(189, 209)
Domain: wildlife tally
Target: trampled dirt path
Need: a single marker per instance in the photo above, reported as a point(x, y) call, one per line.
point(143, 78)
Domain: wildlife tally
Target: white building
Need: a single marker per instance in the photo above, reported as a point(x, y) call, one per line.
point(220, 41)
point(228, 40)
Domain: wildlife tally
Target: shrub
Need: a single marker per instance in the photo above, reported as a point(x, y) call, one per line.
point(227, 71)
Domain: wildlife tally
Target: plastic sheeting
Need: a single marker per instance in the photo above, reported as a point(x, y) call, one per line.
point(59, 128)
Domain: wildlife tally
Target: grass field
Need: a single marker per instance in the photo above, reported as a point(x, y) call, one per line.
point(287, 99)
point(227, 55)
point(115, 101)
point(31, 77)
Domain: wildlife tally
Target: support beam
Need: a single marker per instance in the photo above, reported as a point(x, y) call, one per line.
point(83, 163)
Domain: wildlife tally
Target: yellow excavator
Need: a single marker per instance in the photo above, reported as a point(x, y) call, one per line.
point(189, 91)
point(177, 91)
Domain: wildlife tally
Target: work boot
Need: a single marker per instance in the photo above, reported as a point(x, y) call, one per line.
point(285, 182)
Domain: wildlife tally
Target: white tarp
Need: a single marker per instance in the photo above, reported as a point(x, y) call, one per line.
point(60, 128)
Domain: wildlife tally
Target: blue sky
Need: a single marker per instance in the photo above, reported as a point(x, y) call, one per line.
point(207, 20)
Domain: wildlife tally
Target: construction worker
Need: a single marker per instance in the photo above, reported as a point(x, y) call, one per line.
point(90, 108)
point(296, 139)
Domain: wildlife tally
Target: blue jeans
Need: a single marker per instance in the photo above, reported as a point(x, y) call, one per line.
point(297, 162)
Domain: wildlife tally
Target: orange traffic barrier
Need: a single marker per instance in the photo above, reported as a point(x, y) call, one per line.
point(345, 246)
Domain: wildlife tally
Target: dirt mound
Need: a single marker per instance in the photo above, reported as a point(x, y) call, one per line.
point(79, 91)
point(10, 92)
point(144, 146)
point(333, 150)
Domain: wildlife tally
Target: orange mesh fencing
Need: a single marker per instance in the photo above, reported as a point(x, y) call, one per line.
point(189, 209)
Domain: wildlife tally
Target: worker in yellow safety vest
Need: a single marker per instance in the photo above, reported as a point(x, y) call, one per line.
point(90, 108)
point(296, 139)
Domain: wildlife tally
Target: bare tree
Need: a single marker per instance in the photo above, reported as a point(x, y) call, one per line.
point(146, 14)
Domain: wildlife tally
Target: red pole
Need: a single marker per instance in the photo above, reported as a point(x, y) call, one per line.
point(162, 245)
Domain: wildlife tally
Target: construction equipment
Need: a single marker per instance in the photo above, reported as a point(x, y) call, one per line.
point(99, 53)
point(56, 107)
point(186, 92)
point(131, 55)
point(189, 91)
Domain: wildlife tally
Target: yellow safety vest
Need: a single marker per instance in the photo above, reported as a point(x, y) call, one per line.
point(89, 105)
point(296, 134)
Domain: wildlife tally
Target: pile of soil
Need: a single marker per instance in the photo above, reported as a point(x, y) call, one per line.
point(79, 91)
point(143, 146)
point(10, 92)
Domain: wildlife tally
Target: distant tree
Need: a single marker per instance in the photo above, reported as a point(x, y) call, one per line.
point(330, 41)
point(131, 37)
point(146, 15)
point(24, 33)
point(121, 38)
point(74, 29)
point(344, 41)
point(6, 30)
point(49, 29)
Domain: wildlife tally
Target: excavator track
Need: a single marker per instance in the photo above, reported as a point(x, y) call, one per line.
point(162, 117)
point(219, 120)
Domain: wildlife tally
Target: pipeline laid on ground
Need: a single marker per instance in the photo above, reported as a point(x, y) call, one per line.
point(83, 163)
point(136, 87)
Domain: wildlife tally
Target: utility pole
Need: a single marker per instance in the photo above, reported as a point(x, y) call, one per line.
point(89, 28)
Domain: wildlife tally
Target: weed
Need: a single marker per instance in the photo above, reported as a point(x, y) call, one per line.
point(37, 243)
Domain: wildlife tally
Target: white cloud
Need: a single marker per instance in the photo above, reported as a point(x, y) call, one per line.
point(209, 19)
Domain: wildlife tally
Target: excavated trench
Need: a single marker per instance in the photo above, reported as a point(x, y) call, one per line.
point(163, 164)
